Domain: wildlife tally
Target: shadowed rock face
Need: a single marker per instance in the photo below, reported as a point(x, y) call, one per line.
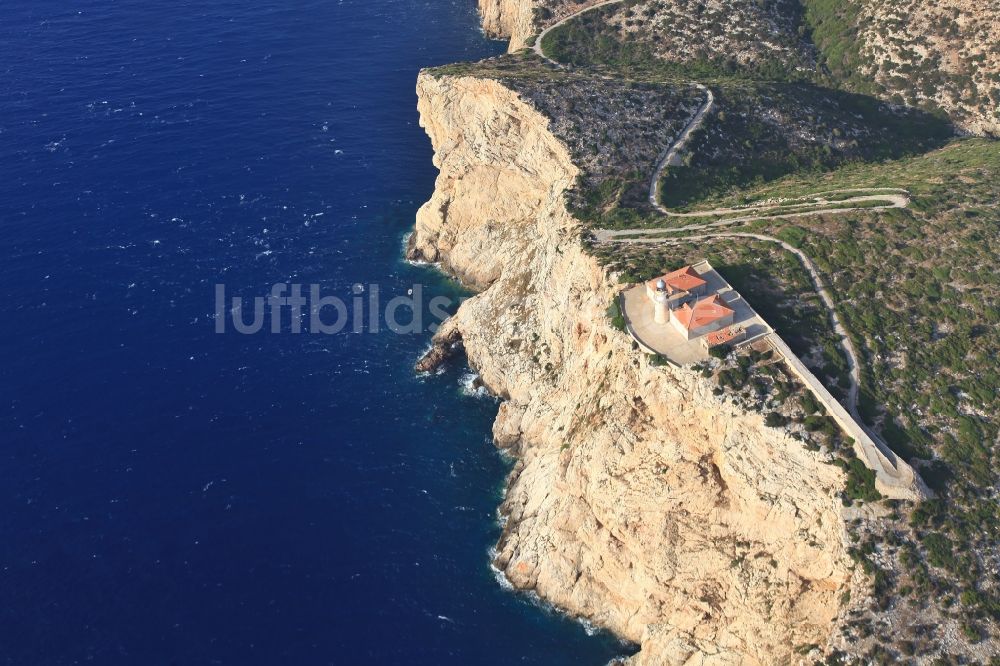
point(520, 20)
point(640, 500)
point(508, 19)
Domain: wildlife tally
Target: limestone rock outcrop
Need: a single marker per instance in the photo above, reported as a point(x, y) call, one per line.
point(509, 19)
point(520, 20)
point(640, 500)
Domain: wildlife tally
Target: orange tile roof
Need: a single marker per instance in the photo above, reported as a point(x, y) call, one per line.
point(704, 312)
point(683, 279)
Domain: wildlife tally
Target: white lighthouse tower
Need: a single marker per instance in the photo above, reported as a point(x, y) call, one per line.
point(661, 313)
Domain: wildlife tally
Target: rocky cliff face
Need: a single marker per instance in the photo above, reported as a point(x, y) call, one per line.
point(520, 20)
point(640, 500)
point(510, 19)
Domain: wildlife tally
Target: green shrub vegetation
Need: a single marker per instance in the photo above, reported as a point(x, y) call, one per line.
point(742, 146)
point(860, 480)
point(775, 420)
point(615, 315)
point(919, 292)
point(592, 41)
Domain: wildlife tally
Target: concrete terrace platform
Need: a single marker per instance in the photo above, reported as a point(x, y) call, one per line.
point(665, 340)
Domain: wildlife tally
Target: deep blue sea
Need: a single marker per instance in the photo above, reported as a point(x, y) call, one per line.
point(171, 495)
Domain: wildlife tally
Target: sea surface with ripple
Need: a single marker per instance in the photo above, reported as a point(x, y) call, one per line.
point(171, 495)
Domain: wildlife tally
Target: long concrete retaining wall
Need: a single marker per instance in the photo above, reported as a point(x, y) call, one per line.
point(893, 477)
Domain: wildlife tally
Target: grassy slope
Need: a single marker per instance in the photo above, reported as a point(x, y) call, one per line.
point(761, 131)
point(919, 291)
point(832, 28)
point(771, 119)
point(927, 54)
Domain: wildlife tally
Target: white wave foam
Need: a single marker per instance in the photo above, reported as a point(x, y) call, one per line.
point(416, 262)
point(424, 264)
point(498, 573)
point(469, 388)
point(588, 627)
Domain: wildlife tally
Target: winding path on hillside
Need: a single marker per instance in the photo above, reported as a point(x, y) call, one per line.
point(891, 201)
point(671, 156)
point(890, 470)
point(537, 47)
point(894, 197)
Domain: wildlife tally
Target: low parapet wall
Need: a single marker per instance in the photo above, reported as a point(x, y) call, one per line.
point(635, 336)
point(893, 477)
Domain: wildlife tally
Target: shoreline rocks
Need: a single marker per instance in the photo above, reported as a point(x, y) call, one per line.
point(639, 500)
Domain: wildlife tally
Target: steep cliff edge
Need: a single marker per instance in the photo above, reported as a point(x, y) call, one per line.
point(509, 19)
point(640, 500)
point(520, 20)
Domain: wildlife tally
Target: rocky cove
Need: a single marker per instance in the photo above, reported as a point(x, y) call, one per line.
point(640, 500)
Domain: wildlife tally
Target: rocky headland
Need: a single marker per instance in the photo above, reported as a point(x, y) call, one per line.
point(714, 513)
point(641, 500)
